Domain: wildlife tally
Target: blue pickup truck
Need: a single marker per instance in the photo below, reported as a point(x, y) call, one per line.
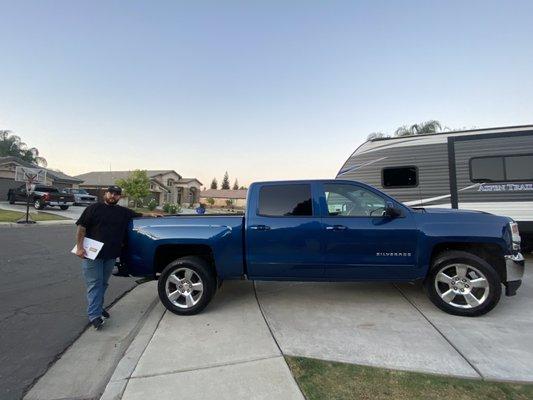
point(330, 230)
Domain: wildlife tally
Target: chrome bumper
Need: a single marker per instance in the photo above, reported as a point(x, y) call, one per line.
point(60, 203)
point(514, 265)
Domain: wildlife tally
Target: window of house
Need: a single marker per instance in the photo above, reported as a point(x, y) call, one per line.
point(510, 168)
point(400, 177)
point(285, 200)
point(169, 182)
point(352, 201)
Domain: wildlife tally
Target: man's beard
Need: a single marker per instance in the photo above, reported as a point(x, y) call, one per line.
point(111, 201)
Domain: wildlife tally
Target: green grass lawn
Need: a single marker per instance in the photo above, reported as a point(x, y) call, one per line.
point(14, 216)
point(321, 380)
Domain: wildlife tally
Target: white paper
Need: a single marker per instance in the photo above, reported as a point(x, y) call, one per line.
point(92, 248)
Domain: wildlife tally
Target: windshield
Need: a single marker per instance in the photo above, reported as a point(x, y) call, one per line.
point(46, 189)
point(78, 191)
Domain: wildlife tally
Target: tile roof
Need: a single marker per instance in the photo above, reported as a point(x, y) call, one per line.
point(106, 178)
point(56, 175)
point(224, 193)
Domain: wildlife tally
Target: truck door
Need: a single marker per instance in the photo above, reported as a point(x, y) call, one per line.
point(283, 233)
point(359, 241)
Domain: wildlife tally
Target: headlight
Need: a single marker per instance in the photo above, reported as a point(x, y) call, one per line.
point(515, 235)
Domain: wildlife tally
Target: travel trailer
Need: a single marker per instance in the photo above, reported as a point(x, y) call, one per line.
point(488, 170)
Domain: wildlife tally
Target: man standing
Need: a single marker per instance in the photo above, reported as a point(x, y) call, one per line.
point(107, 223)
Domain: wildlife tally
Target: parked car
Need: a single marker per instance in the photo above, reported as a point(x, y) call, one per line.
point(330, 230)
point(481, 169)
point(81, 196)
point(41, 196)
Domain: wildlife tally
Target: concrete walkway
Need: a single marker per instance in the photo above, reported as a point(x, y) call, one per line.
point(226, 352)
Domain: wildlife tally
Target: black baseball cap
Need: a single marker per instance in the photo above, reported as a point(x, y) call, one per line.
point(114, 189)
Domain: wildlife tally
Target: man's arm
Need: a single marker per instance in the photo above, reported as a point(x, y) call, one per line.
point(80, 235)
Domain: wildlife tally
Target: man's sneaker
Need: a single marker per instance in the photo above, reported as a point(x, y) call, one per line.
point(97, 323)
point(105, 314)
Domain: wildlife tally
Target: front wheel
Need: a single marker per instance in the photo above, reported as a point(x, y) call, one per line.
point(464, 284)
point(186, 285)
point(38, 204)
point(64, 207)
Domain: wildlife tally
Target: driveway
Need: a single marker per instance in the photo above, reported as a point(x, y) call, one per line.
point(73, 212)
point(396, 326)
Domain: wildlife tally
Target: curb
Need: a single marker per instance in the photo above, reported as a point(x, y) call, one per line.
point(97, 353)
point(38, 223)
point(126, 366)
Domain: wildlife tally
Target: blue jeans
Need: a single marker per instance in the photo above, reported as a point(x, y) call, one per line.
point(96, 274)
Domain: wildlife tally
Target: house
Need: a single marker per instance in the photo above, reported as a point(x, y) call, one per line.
point(53, 178)
point(166, 186)
point(221, 197)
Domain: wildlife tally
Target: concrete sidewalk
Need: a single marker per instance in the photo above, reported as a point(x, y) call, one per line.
point(226, 352)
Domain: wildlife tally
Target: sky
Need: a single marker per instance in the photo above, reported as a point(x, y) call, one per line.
point(264, 90)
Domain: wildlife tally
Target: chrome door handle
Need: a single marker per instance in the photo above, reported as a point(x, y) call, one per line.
point(336, 227)
point(260, 227)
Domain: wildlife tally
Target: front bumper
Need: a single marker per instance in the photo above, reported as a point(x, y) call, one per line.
point(514, 265)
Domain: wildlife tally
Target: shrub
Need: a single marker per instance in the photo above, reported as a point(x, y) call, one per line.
point(152, 204)
point(173, 209)
point(211, 201)
point(166, 207)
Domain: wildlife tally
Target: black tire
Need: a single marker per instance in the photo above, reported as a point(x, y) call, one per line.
point(38, 204)
point(445, 262)
point(11, 199)
point(200, 269)
point(64, 207)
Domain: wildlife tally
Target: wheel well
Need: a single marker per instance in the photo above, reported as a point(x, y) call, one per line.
point(490, 252)
point(167, 253)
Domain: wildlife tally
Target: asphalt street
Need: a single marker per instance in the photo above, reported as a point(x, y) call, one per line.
point(43, 301)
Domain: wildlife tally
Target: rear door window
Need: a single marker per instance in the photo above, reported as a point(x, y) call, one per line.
point(285, 200)
point(345, 200)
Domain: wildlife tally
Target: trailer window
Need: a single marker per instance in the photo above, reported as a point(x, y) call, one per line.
point(285, 200)
point(510, 168)
point(487, 169)
point(519, 168)
point(400, 177)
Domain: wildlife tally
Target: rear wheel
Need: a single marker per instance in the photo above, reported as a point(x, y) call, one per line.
point(186, 285)
point(64, 207)
point(462, 283)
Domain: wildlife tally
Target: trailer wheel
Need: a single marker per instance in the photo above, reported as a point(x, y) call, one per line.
point(464, 284)
point(186, 285)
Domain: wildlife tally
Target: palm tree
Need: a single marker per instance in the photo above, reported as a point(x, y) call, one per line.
point(431, 126)
point(12, 145)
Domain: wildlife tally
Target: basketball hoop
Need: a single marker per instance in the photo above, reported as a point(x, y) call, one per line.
point(30, 176)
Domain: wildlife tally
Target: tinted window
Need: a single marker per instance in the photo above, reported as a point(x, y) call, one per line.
point(400, 177)
point(353, 201)
point(519, 168)
point(46, 189)
point(285, 200)
point(487, 169)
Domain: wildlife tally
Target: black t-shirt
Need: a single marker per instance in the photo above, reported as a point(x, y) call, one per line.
point(107, 223)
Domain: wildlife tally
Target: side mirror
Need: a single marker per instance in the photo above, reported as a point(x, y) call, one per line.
point(391, 211)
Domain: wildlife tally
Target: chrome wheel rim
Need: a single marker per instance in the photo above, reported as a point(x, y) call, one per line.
point(462, 286)
point(184, 288)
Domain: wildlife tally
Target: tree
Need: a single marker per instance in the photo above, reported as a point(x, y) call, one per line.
point(431, 126)
point(214, 184)
point(236, 185)
point(377, 135)
point(136, 186)
point(12, 145)
point(225, 181)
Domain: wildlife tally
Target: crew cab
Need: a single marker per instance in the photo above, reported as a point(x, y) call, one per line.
point(330, 230)
point(41, 196)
